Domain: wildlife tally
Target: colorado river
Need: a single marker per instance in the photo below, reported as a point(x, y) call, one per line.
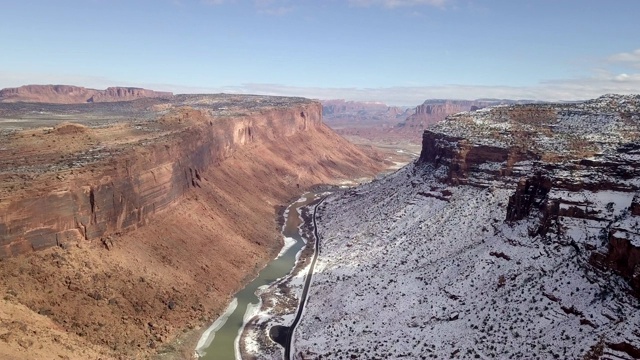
point(220, 341)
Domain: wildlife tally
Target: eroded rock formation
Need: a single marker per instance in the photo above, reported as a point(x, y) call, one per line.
point(136, 185)
point(66, 94)
point(435, 110)
point(486, 246)
point(127, 230)
point(567, 164)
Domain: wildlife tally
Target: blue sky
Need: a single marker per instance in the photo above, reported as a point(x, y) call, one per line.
point(397, 51)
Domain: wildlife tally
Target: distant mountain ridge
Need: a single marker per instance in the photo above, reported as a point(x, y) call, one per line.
point(67, 94)
point(436, 110)
point(374, 120)
point(342, 112)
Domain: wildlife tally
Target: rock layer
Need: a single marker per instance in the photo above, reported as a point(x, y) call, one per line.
point(180, 199)
point(486, 246)
point(66, 94)
point(567, 162)
point(433, 111)
point(124, 194)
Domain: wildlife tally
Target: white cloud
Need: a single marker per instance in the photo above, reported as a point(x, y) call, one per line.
point(626, 58)
point(567, 89)
point(216, 2)
point(398, 3)
point(633, 56)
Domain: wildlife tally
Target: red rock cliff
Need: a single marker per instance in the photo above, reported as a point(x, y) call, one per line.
point(65, 94)
point(201, 179)
point(133, 183)
point(564, 162)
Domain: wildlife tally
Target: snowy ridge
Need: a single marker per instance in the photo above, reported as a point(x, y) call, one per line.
point(404, 274)
point(563, 129)
point(515, 235)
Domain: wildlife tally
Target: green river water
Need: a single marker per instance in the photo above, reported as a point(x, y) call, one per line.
point(220, 341)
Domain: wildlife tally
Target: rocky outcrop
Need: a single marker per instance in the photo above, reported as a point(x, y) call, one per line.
point(134, 183)
point(369, 120)
point(623, 256)
point(65, 94)
point(435, 110)
point(463, 157)
point(635, 205)
point(567, 165)
point(358, 111)
point(126, 94)
point(622, 253)
point(530, 193)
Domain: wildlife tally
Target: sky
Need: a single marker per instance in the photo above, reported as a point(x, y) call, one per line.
point(400, 52)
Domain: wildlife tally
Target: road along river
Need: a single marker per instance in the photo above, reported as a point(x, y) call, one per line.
point(220, 341)
point(284, 334)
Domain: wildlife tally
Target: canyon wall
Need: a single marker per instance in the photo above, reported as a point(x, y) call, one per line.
point(569, 166)
point(158, 221)
point(140, 182)
point(354, 113)
point(433, 111)
point(66, 94)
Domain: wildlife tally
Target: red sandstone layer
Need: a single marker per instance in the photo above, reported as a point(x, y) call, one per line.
point(153, 231)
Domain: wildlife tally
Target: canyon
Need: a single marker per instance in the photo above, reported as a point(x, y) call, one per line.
point(514, 235)
point(353, 114)
point(380, 123)
point(127, 226)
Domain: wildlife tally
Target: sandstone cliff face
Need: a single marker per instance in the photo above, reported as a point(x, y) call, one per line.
point(353, 113)
point(433, 111)
point(462, 156)
point(369, 120)
point(65, 94)
point(178, 200)
point(138, 183)
point(568, 165)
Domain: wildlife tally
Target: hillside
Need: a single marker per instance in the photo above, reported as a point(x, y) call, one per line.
point(515, 235)
point(124, 227)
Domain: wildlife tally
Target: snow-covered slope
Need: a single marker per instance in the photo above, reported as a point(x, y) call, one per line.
point(488, 248)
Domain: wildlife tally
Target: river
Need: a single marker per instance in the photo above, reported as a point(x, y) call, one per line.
point(220, 340)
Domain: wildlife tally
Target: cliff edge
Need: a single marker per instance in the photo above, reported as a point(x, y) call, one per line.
point(569, 161)
point(67, 94)
point(126, 223)
point(515, 235)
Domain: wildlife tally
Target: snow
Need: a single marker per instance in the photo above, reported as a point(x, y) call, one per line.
point(410, 267)
point(595, 126)
point(209, 334)
point(278, 304)
point(252, 310)
point(288, 244)
point(401, 274)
